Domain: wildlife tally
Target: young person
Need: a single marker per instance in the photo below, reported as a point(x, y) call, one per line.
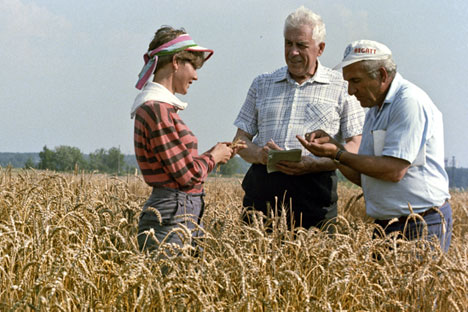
point(165, 148)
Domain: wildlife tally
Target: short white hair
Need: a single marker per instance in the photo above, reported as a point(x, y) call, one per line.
point(304, 16)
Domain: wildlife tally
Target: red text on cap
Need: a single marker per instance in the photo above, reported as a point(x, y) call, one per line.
point(365, 50)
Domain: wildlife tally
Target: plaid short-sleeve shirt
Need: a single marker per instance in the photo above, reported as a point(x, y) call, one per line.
point(279, 108)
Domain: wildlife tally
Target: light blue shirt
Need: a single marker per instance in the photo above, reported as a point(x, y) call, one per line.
point(413, 127)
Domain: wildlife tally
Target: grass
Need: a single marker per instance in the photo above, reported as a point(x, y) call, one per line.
point(68, 243)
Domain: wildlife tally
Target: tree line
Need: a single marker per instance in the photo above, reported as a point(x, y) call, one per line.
point(112, 161)
point(69, 158)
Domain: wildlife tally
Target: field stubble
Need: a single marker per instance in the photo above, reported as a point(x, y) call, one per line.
point(68, 242)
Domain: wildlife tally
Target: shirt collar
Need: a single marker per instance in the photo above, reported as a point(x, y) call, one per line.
point(394, 87)
point(153, 91)
point(320, 75)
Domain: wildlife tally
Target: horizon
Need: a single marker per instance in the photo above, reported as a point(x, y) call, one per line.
point(449, 163)
point(70, 70)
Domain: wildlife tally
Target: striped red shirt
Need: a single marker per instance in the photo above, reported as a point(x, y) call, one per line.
point(166, 149)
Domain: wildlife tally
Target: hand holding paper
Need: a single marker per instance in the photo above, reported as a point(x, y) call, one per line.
point(275, 156)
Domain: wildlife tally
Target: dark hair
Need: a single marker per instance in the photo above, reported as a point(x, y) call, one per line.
point(166, 34)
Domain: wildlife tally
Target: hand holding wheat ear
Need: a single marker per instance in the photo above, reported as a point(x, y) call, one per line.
point(238, 143)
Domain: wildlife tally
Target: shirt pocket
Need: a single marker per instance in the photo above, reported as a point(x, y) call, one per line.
point(320, 115)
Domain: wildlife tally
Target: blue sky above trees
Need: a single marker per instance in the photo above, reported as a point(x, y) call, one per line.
point(69, 68)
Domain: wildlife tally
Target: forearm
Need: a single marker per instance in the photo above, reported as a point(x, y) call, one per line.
point(327, 164)
point(350, 174)
point(379, 167)
point(252, 152)
point(319, 164)
point(188, 170)
point(352, 144)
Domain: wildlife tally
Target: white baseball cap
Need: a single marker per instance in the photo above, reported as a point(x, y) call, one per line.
point(363, 50)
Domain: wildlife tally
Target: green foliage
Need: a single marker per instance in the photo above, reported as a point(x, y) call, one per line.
point(47, 159)
point(231, 167)
point(67, 158)
point(235, 165)
point(29, 164)
point(111, 161)
point(62, 158)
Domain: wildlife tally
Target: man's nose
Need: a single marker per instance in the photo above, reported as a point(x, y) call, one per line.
point(294, 50)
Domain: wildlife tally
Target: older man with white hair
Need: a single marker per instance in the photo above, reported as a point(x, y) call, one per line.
point(295, 99)
point(400, 163)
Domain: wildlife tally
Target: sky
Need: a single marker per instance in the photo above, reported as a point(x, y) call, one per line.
point(68, 68)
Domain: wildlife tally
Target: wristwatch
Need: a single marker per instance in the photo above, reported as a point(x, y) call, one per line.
point(337, 156)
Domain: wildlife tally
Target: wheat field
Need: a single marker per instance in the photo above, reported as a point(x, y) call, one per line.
point(68, 243)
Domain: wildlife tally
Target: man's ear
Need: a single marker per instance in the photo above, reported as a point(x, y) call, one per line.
point(321, 48)
point(383, 75)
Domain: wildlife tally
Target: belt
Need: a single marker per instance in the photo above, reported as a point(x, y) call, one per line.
point(174, 193)
point(402, 220)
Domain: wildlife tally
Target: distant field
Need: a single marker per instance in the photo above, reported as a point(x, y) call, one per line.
point(68, 243)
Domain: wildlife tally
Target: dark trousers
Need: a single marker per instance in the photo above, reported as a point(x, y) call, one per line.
point(307, 196)
point(413, 229)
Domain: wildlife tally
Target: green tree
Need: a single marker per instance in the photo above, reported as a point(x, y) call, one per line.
point(62, 158)
point(29, 164)
point(110, 161)
point(97, 160)
point(47, 159)
point(68, 157)
point(115, 160)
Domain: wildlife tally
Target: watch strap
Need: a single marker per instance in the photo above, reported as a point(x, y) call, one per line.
point(338, 156)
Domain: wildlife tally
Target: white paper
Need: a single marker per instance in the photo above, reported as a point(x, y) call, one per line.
point(379, 142)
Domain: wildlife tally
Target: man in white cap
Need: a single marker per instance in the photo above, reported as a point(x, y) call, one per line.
point(400, 162)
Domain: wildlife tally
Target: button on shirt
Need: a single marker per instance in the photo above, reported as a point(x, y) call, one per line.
point(279, 108)
point(413, 126)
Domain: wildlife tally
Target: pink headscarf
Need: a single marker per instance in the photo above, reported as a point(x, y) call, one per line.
point(181, 43)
